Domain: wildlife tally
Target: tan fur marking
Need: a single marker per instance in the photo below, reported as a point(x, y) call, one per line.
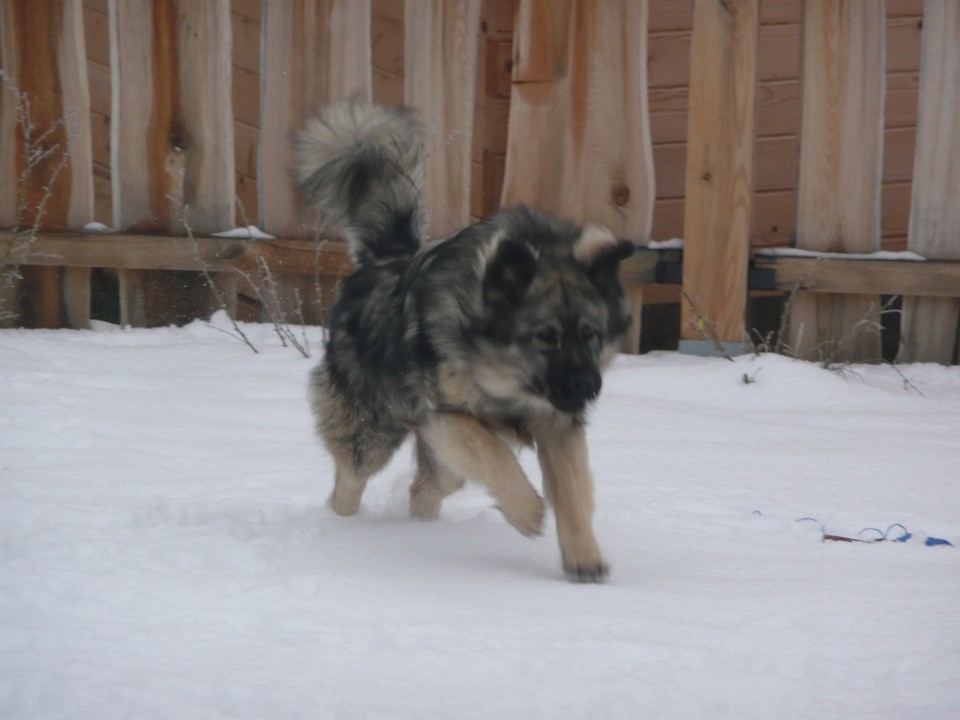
point(568, 486)
point(433, 482)
point(471, 450)
point(349, 486)
point(592, 240)
point(490, 249)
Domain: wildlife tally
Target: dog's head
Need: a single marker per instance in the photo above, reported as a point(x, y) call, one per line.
point(554, 313)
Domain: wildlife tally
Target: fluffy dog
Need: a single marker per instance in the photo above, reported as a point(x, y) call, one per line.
point(493, 337)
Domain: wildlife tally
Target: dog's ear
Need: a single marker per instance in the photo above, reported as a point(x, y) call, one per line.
point(508, 273)
point(599, 251)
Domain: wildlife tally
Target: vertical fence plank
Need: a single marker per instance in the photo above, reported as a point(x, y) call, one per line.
point(841, 154)
point(171, 142)
point(492, 108)
point(43, 48)
point(579, 128)
point(9, 148)
point(312, 53)
point(719, 174)
point(72, 69)
point(142, 80)
point(205, 75)
point(930, 325)
point(440, 72)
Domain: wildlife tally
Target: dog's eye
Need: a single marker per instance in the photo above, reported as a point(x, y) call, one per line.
point(549, 338)
point(588, 334)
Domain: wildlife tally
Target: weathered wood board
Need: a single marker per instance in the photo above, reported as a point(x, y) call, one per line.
point(312, 53)
point(172, 151)
point(55, 191)
point(579, 130)
point(719, 177)
point(440, 73)
point(219, 254)
point(840, 171)
point(845, 276)
point(930, 325)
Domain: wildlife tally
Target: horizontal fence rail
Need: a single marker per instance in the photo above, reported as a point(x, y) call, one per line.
point(857, 276)
point(221, 254)
point(832, 274)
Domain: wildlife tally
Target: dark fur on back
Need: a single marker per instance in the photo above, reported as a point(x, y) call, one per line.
point(504, 328)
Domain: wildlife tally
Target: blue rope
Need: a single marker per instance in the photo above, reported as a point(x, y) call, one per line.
point(906, 535)
point(882, 535)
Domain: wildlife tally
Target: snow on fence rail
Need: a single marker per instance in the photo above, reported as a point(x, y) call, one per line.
point(193, 104)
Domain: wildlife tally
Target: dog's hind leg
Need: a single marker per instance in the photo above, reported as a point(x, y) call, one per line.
point(359, 446)
point(357, 459)
point(471, 450)
point(434, 481)
point(568, 485)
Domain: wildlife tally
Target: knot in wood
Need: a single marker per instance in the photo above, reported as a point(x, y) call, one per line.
point(620, 194)
point(178, 141)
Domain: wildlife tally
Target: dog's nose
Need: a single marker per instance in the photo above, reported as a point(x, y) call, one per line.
point(583, 384)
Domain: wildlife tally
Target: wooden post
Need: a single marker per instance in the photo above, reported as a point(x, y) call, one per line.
point(930, 325)
point(719, 175)
point(43, 48)
point(172, 149)
point(440, 73)
point(312, 53)
point(841, 153)
point(579, 134)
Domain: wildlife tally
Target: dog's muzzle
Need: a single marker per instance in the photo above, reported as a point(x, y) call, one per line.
point(574, 389)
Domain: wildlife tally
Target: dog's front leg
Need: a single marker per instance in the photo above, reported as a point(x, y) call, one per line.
point(471, 450)
point(568, 485)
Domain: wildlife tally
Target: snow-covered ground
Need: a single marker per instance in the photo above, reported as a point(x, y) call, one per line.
point(165, 549)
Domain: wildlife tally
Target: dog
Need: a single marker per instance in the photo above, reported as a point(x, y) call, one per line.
point(492, 338)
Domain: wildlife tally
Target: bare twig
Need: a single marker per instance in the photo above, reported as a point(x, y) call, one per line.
point(907, 383)
point(706, 328)
point(301, 321)
point(830, 350)
point(36, 153)
point(237, 332)
point(274, 305)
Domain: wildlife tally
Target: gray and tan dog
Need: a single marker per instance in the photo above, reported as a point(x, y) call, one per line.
point(494, 337)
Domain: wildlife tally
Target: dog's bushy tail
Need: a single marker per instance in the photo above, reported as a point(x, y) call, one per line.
point(361, 167)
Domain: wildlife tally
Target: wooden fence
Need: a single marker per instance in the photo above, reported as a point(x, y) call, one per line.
point(740, 125)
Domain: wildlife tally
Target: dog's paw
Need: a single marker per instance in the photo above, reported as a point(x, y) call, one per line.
point(526, 513)
point(343, 506)
point(596, 572)
point(425, 506)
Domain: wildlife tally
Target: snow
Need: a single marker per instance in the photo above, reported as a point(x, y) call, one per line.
point(902, 255)
point(165, 549)
point(251, 232)
point(671, 244)
point(96, 227)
